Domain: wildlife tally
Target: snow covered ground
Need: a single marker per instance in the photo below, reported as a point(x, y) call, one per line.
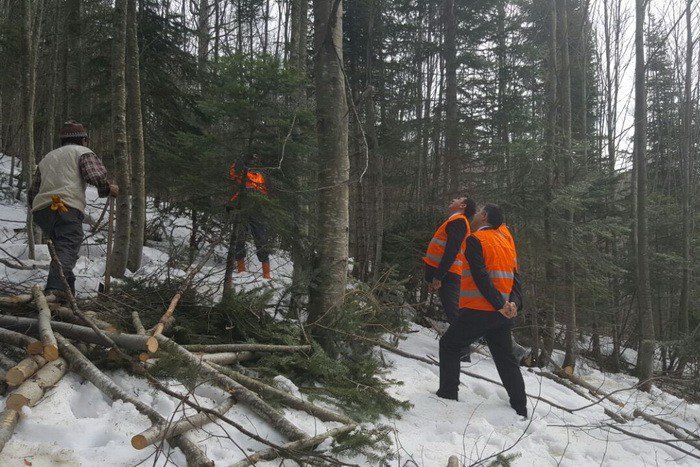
point(77, 425)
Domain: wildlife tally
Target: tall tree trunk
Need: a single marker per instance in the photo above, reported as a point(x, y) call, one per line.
point(328, 284)
point(565, 102)
point(646, 319)
point(74, 61)
point(301, 246)
point(122, 235)
point(202, 37)
point(135, 120)
point(451, 117)
point(549, 161)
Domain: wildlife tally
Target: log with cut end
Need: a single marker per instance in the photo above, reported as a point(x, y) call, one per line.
point(670, 428)
point(453, 461)
point(85, 368)
point(157, 433)
point(288, 400)
point(226, 358)
point(6, 362)
point(16, 299)
point(50, 351)
point(24, 369)
point(82, 333)
point(32, 390)
point(296, 447)
point(244, 395)
point(216, 348)
point(16, 339)
point(8, 422)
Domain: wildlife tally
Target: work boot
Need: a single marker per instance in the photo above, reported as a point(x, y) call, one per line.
point(266, 270)
point(240, 265)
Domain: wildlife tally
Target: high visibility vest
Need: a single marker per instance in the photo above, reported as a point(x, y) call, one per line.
point(503, 230)
point(436, 247)
point(254, 181)
point(499, 259)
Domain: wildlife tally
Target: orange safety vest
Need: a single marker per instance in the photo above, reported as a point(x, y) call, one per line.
point(254, 181)
point(436, 247)
point(503, 230)
point(499, 259)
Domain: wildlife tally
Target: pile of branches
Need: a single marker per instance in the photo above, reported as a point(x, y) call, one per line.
point(59, 339)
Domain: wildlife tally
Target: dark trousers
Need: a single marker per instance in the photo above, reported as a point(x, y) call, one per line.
point(259, 233)
point(449, 296)
point(65, 230)
point(495, 328)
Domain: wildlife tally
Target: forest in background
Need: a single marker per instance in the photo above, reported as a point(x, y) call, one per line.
point(369, 116)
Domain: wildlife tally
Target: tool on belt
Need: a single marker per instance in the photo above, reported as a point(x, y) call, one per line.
point(58, 205)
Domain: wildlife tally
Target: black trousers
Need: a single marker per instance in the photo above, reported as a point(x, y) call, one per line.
point(65, 230)
point(496, 329)
point(449, 296)
point(259, 233)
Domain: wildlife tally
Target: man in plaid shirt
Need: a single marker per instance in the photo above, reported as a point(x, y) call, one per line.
point(58, 198)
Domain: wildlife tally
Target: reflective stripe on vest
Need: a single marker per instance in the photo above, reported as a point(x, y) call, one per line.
point(436, 247)
point(499, 259)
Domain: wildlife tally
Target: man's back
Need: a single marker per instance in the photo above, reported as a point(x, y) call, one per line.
point(60, 175)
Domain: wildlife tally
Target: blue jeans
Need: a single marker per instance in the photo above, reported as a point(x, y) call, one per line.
point(65, 230)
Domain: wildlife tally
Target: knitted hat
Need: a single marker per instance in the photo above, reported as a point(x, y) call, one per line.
point(72, 129)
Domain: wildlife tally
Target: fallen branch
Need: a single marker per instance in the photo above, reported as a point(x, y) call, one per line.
point(138, 325)
point(215, 348)
point(296, 446)
point(22, 267)
point(158, 432)
point(24, 369)
point(245, 396)
point(85, 368)
point(32, 390)
point(16, 299)
point(585, 384)
point(669, 428)
point(8, 422)
point(31, 345)
point(69, 315)
point(82, 333)
point(288, 400)
point(181, 290)
point(48, 340)
point(653, 440)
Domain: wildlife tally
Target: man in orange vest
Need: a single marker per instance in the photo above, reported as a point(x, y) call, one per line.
point(489, 299)
point(254, 182)
point(444, 257)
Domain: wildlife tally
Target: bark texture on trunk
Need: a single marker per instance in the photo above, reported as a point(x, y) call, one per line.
point(138, 158)
point(120, 249)
point(329, 279)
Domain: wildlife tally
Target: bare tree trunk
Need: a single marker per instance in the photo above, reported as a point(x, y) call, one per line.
point(328, 284)
point(138, 162)
point(451, 117)
point(550, 155)
point(686, 169)
point(122, 235)
point(565, 101)
point(646, 324)
point(202, 36)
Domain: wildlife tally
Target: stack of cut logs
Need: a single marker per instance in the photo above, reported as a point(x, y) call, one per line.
point(54, 347)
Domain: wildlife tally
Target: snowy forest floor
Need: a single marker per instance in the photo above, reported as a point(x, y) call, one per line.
point(76, 425)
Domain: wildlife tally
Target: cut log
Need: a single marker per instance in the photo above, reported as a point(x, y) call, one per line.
point(138, 325)
point(24, 369)
point(226, 358)
point(669, 428)
point(244, 396)
point(215, 348)
point(8, 422)
point(85, 368)
point(82, 333)
point(158, 329)
point(31, 345)
point(288, 400)
point(32, 390)
point(67, 314)
point(296, 447)
point(16, 299)
point(585, 384)
point(50, 351)
point(157, 433)
point(453, 461)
